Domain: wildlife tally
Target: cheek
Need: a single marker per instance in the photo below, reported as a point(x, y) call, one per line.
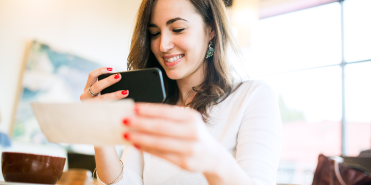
point(154, 47)
point(192, 45)
point(185, 44)
point(196, 51)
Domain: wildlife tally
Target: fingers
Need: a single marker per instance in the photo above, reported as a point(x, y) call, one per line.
point(153, 143)
point(106, 97)
point(100, 85)
point(167, 112)
point(93, 76)
point(97, 87)
point(162, 127)
point(114, 96)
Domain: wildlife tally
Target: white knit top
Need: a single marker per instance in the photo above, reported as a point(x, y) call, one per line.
point(247, 124)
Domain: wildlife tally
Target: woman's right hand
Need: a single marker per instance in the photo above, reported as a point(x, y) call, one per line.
point(98, 86)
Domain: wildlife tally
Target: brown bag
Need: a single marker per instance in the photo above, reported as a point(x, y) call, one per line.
point(330, 172)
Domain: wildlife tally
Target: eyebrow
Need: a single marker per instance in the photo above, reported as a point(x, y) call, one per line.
point(171, 21)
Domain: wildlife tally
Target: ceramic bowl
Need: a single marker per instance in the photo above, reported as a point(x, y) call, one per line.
point(31, 168)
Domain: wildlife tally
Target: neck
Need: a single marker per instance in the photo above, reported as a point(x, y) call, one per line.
point(185, 85)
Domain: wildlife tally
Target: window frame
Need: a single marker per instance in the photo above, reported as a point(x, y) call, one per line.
point(342, 65)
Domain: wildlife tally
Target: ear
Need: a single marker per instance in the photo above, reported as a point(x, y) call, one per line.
point(210, 32)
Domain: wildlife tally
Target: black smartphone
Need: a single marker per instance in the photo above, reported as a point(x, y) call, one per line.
point(144, 85)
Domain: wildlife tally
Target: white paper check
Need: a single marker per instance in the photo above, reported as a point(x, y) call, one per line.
point(96, 123)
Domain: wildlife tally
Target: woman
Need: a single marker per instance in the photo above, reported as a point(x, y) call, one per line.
point(230, 134)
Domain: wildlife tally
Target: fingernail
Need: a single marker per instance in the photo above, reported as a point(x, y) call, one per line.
point(136, 146)
point(126, 121)
point(109, 69)
point(136, 109)
point(126, 136)
point(124, 92)
point(117, 76)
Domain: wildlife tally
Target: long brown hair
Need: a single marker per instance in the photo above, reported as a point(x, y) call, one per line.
point(218, 78)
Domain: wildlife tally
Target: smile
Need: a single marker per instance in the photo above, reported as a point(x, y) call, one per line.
point(169, 62)
point(173, 59)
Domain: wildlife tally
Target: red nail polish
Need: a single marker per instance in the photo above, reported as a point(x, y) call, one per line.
point(136, 109)
point(124, 92)
point(126, 122)
point(109, 69)
point(117, 76)
point(126, 136)
point(136, 146)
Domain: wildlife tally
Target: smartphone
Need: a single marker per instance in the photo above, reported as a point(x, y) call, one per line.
point(144, 85)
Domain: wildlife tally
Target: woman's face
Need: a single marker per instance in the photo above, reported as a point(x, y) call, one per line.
point(179, 38)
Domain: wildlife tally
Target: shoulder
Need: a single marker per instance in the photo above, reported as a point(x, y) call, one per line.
point(252, 84)
point(251, 88)
point(248, 92)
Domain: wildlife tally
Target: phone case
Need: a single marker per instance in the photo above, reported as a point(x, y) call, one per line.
point(144, 85)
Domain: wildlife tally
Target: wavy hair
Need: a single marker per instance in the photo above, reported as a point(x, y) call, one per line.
point(218, 78)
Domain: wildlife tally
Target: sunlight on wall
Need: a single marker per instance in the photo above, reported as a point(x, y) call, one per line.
point(93, 29)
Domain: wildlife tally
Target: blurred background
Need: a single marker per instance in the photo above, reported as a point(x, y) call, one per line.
point(316, 54)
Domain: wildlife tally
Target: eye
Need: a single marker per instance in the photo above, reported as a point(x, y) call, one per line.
point(154, 34)
point(178, 30)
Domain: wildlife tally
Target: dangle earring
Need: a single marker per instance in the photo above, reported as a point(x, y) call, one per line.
point(210, 52)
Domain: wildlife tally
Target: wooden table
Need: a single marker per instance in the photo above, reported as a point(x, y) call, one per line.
point(77, 177)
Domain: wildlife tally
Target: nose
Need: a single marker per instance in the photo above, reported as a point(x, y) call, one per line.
point(166, 43)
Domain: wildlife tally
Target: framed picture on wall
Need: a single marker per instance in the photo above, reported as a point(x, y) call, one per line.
point(49, 75)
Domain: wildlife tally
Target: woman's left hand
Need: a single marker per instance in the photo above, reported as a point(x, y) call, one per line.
point(176, 134)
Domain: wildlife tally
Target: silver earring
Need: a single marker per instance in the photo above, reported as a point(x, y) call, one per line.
point(210, 52)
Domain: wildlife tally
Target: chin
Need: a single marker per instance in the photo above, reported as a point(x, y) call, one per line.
point(174, 75)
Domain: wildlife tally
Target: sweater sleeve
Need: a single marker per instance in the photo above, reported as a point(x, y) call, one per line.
point(259, 137)
point(133, 167)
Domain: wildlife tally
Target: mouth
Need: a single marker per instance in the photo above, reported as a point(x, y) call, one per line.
point(173, 60)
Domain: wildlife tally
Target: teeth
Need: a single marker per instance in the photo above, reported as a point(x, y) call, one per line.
point(174, 58)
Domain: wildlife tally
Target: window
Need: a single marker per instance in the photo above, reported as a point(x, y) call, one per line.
point(358, 107)
point(357, 29)
point(299, 40)
point(312, 58)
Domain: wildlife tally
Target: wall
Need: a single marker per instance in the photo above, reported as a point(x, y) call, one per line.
point(94, 29)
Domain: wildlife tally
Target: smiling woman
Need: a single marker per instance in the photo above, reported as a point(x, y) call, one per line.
point(175, 36)
point(230, 130)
